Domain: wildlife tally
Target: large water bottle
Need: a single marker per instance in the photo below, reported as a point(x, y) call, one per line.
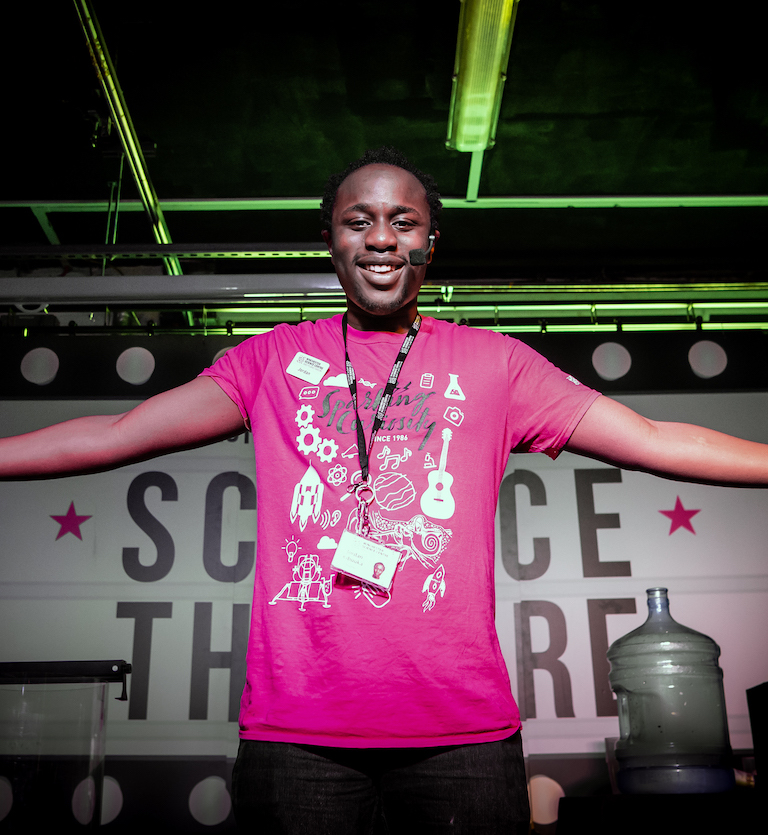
point(672, 720)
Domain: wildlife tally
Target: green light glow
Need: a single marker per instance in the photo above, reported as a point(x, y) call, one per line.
point(538, 308)
point(236, 204)
point(275, 253)
point(681, 307)
point(482, 55)
point(657, 201)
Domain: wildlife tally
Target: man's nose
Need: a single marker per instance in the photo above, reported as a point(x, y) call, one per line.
point(381, 237)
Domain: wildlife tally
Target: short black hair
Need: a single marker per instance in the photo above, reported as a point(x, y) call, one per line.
point(386, 155)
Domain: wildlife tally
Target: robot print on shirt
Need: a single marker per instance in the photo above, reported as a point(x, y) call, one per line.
point(307, 586)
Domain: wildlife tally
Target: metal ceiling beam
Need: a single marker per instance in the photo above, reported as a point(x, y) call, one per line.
point(164, 251)
point(246, 204)
point(124, 125)
point(252, 289)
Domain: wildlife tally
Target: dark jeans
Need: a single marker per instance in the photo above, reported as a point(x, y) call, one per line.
point(283, 788)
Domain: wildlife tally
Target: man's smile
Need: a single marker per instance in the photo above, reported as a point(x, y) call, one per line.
point(387, 266)
point(380, 268)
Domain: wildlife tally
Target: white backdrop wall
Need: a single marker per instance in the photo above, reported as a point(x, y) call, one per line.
point(161, 574)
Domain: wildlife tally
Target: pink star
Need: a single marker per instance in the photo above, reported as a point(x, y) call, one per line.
point(681, 518)
point(70, 523)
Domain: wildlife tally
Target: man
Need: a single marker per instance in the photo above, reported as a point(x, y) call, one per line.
point(383, 435)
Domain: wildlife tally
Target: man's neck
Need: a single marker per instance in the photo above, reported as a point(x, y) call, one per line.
point(398, 322)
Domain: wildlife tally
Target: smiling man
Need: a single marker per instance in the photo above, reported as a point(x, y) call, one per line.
point(375, 687)
point(370, 243)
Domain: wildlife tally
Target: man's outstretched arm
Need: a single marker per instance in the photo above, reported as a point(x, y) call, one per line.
point(615, 434)
point(191, 415)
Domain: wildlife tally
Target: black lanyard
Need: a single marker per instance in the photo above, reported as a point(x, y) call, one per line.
point(386, 396)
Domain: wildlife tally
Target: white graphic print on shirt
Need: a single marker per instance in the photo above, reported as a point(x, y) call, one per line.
point(418, 538)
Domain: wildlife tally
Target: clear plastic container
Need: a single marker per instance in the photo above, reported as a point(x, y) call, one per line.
point(52, 740)
point(672, 720)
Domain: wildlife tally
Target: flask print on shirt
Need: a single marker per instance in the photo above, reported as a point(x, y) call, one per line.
point(453, 391)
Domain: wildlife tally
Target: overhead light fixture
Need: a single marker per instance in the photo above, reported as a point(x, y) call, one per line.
point(480, 70)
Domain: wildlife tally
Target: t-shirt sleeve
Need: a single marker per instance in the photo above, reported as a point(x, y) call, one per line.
point(238, 372)
point(546, 403)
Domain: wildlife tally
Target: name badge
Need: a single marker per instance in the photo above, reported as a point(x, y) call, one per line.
point(307, 368)
point(366, 560)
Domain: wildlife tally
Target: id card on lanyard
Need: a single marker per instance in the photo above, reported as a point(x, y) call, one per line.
point(357, 555)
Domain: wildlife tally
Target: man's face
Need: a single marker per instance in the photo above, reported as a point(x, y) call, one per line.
point(380, 214)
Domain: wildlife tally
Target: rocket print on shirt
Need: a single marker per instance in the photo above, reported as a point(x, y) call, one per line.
point(307, 498)
point(432, 585)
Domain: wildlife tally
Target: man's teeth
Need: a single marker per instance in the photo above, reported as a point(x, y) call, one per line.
point(380, 268)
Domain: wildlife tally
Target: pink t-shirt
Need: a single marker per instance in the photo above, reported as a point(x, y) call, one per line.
point(333, 661)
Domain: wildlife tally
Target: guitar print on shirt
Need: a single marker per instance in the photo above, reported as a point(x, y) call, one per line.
point(437, 501)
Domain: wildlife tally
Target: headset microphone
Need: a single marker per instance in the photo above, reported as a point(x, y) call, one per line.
point(419, 257)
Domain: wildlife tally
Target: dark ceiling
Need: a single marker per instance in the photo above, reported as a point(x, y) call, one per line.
point(266, 100)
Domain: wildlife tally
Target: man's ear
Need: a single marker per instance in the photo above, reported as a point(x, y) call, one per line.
point(328, 241)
